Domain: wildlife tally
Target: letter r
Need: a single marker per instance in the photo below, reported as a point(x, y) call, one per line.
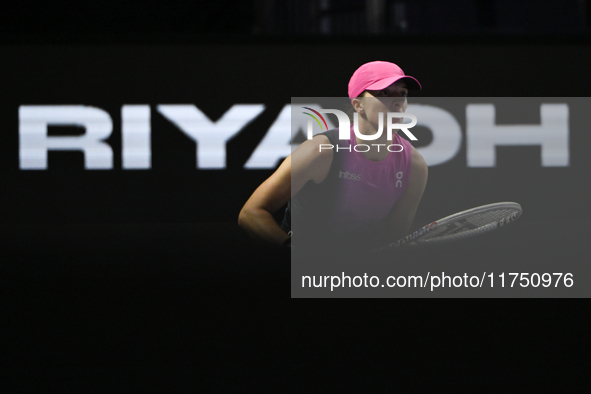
point(35, 141)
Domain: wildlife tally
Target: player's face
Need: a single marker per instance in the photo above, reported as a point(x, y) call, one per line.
point(390, 99)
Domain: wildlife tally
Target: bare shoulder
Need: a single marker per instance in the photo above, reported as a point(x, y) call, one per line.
point(314, 147)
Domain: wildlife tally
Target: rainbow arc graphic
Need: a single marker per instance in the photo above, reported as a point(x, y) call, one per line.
point(316, 119)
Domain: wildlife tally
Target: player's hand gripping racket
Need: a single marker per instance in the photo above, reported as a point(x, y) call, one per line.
point(461, 225)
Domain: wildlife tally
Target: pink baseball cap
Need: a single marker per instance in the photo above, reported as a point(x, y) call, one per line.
point(378, 75)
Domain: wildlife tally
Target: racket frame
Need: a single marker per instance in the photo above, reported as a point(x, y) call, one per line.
point(414, 238)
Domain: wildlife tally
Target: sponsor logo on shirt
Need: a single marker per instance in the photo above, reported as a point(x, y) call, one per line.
point(349, 175)
point(399, 176)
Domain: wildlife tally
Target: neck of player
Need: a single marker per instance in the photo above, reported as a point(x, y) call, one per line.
point(378, 148)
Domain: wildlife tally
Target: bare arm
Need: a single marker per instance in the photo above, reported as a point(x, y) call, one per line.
point(305, 164)
point(400, 218)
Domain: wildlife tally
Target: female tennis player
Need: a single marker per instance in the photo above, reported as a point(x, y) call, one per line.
point(351, 198)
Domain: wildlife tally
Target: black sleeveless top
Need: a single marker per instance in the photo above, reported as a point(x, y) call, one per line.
point(311, 208)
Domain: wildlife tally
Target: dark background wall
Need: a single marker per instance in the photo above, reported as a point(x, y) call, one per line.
point(215, 77)
point(114, 278)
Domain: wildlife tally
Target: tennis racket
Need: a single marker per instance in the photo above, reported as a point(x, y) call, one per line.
point(461, 225)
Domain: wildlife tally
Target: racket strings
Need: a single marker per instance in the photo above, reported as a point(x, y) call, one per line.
point(468, 226)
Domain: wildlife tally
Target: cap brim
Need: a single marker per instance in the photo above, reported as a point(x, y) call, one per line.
point(411, 83)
